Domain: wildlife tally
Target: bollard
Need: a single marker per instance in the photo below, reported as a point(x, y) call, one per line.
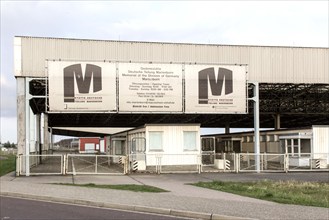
point(317, 164)
point(135, 165)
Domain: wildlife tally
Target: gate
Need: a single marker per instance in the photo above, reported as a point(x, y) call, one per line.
point(208, 154)
point(95, 164)
point(268, 162)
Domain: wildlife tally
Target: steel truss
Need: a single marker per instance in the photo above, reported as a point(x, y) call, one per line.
point(299, 105)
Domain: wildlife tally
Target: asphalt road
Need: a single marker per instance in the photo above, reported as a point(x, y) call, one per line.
point(14, 208)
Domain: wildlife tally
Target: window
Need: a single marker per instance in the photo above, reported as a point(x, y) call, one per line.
point(190, 140)
point(228, 146)
point(118, 147)
point(138, 145)
point(155, 140)
point(207, 144)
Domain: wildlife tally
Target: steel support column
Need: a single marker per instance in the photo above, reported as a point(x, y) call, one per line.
point(255, 100)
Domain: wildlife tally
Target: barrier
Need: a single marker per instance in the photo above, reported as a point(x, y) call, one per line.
point(227, 165)
point(135, 165)
point(94, 164)
point(48, 164)
point(268, 162)
point(308, 162)
point(165, 163)
point(51, 164)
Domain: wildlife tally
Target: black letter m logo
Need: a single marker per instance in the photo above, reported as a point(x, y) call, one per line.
point(82, 83)
point(215, 86)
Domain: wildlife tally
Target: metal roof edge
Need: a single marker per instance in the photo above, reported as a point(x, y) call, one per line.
point(177, 43)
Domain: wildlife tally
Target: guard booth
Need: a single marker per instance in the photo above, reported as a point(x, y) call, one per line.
point(218, 153)
point(159, 146)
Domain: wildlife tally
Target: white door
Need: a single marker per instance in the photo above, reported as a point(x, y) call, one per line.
point(102, 148)
point(89, 147)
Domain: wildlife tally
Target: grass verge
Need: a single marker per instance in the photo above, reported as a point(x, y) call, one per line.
point(287, 192)
point(129, 187)
point(7, 164)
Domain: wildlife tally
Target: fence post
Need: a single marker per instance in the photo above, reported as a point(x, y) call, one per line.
point(67, 163)
point(125, 165)
point(62, 164)
point(199, 163)
point(129, 159)
point(286, 162)
point(224, 162)
point(248, 159)
point(160, 165)
point(237, 163)
point(96, 164)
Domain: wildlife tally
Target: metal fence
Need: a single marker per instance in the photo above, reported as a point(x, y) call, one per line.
point(268, 162)
point(220, 162)
point(41, 164)
point(95, 164)
point(165, 163)
point(307, 162)
point(52, 164)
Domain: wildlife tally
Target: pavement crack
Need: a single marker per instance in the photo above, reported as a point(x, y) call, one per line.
point(73, 179)
point(137, 180)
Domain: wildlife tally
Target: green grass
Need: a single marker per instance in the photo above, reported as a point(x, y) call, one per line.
point(129, 187)
point(287, 192)
point(8, 164)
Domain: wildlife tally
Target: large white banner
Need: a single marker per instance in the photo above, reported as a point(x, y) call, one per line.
point(150, 87)
point(215, 89)
point(82, 86)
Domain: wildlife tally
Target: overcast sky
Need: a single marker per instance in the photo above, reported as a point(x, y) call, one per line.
point(274, 23)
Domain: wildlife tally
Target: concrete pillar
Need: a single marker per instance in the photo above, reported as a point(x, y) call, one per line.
point(21, 122)
point(20, 95)
point(45, 132)
point(32, 130)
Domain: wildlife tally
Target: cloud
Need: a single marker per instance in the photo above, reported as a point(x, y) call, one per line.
point(275, 23)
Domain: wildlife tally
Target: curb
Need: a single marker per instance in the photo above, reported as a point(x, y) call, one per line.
point(153, 210)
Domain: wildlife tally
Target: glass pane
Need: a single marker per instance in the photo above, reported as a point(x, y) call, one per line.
point(138, 145)
point(117, 147)
point(207, 143)
point(190, 140)
point(155, 140)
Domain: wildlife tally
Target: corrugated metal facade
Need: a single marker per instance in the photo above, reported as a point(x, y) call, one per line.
point(266, 64)
point(321, 139)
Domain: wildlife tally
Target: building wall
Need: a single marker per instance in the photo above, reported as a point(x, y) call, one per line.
point(84, 141)
point(321, 139)
point(269, 140)
point(266, 64)
point(173, 140)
